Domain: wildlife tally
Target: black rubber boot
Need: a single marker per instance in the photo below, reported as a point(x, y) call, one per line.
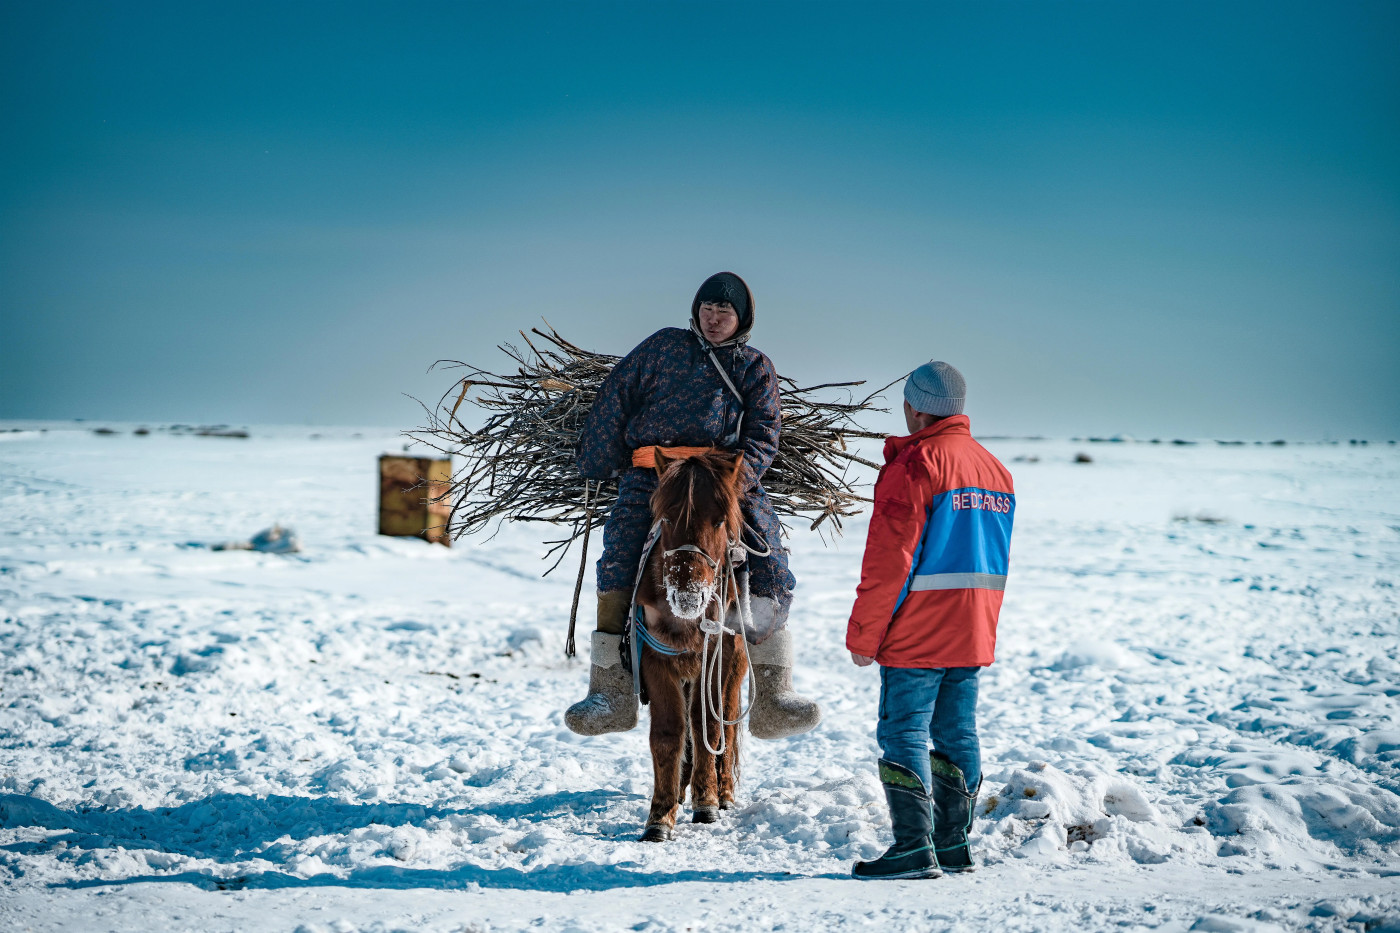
point(911, 817)
point(952, 814)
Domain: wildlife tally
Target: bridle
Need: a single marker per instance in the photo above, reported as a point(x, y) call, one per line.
point(737, 552)
point(694, 549)
point(711, 667)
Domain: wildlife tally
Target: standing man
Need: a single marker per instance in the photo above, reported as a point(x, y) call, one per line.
point(697, 387)
point(926, 609)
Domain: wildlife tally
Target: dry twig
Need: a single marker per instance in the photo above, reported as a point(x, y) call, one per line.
point(519, 465)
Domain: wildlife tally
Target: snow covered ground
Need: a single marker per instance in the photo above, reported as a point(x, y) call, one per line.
point(1192, 723)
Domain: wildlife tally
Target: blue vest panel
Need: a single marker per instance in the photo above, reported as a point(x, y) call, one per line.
point(968, 531)
point(966, 542)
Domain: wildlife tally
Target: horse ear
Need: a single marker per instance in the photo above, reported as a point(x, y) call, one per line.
point(660, 461)
point(737, 469)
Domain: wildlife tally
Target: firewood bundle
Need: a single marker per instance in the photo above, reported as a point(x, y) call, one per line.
point(519, 464)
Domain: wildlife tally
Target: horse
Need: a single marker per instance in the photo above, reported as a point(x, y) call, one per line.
point(693, 679)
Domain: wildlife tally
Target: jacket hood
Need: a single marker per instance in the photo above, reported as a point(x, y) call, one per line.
point(725, 286)
point(953, 424)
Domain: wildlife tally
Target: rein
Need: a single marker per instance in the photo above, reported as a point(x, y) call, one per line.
point(711, 686)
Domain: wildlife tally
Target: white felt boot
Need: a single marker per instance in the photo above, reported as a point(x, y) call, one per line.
point(778, 711)
point(610, 706)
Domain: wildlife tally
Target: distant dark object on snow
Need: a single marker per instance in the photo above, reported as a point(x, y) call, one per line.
point(207, 430)
point(1281, 443)
point(1230, 443)
point(1203, 517)
point(1025, 459)
point(1083, 458)
point(274, 540)
point(141, 432)
point(106, 432)
point(1180, 443)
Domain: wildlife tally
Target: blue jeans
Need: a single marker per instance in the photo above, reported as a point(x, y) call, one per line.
point(923, 705)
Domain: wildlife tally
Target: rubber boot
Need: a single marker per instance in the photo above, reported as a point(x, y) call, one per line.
point(911, 817)
point(952, 814)
point(611, 704)
point(777, 710)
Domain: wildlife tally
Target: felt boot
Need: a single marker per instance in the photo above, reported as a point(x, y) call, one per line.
point(778, 711)
point(611, 704)
point(952, 814)
point(911, 817)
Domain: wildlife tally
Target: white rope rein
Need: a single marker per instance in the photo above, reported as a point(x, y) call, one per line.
point(711, 685)
point(712, 671)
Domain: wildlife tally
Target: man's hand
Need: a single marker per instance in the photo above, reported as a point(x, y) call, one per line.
point(861, 660)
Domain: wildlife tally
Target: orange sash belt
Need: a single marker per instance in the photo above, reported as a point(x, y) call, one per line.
point(646, 456)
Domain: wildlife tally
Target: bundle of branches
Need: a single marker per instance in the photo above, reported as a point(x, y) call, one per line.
point(519, 464)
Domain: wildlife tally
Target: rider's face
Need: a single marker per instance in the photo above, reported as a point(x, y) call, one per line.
point(718, 321)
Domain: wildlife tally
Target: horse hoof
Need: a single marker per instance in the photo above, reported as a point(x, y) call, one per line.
point(657, 832)
point(705, 815)
point(726, 804)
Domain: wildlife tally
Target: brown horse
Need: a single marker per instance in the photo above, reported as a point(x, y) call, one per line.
point(697, 505)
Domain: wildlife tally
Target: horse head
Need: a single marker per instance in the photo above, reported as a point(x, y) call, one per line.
point(697, 502)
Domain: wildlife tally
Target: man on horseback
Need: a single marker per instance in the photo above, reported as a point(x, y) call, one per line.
point(702, 387)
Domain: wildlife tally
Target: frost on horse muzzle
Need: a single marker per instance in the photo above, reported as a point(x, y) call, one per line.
point(689, 590)
point(688, 602)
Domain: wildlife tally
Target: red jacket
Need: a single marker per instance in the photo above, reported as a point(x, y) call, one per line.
point(936, 556)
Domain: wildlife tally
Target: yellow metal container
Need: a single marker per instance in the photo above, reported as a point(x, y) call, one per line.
point(412, 497)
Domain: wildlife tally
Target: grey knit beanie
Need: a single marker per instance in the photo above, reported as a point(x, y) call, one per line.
point(936, 388)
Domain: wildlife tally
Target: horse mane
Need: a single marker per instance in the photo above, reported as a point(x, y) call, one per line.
point(693, 488)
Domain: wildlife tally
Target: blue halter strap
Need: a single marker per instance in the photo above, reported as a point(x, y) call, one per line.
point(651, 641)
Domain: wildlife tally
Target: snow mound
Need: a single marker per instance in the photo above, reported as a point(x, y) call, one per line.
point(1101, 654)
point(1364, 748)
point(1043, 811)
point(1285, 818)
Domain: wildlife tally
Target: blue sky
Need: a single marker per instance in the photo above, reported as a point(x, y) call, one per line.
point(1158, 219)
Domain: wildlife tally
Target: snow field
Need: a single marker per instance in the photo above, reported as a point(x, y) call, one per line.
point(1191, 724)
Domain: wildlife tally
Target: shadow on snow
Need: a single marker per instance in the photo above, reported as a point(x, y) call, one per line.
point(240, 827)
point(562, 878)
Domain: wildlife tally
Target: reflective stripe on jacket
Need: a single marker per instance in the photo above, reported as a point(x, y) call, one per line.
point(936, 554)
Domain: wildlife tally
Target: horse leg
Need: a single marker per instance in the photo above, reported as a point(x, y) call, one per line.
point(704, 787)
point(688, 746)
point(667, 735)
point(736, 666)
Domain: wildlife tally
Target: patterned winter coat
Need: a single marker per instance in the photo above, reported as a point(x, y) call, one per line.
point(666, 392)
